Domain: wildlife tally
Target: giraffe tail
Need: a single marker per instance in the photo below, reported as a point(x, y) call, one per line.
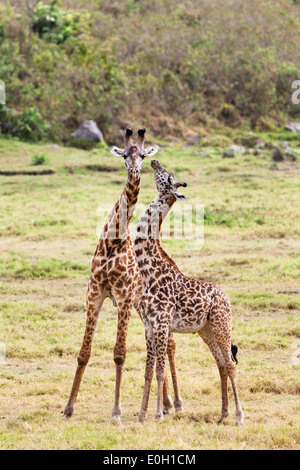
point(234, 350)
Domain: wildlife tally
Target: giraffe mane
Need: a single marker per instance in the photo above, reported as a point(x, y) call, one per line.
point(166, 255)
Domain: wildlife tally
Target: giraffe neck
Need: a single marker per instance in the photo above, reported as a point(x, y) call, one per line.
point(117, 224)
point(129, 198)
point(149, 226)
point(150, 255)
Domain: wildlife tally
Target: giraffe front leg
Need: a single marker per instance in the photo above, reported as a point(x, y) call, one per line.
point(149, 370)
point(171, 355)
point(160, 377)
point(161, 343)
point(124, 312)
point(94, 304)
point(167, 400)
point(147, 386)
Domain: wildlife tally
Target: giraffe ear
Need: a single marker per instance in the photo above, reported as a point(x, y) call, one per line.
point(149, 152)
point(116, 151)
point(180, 197)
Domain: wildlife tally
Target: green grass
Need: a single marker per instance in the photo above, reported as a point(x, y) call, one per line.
point(251, 248)
point(15, 266)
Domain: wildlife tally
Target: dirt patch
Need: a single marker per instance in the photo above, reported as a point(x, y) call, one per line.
point(104, 168)
point(30, 172)
point(91, 167)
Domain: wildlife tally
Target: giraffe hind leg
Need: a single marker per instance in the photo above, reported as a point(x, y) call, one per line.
point(209, 339)
point(167, 400)
point(228, 350)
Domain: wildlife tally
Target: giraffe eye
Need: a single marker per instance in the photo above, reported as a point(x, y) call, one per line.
point(124, 156)
point(169, 180)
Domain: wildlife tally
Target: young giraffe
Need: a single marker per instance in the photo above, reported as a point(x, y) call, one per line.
point(174, 303)
point(114, 274)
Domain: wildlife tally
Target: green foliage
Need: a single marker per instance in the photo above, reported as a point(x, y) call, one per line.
point(189, 65)
point(28, 126)
point(39, 159)
point(2, 32)
point(53, 24)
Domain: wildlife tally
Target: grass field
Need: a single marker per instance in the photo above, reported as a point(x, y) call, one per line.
point(48, 229)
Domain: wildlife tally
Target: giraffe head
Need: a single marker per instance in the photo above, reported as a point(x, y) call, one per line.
point(134, 152)
point(166, 183)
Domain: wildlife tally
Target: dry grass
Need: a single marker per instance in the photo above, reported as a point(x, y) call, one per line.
point(48, 227)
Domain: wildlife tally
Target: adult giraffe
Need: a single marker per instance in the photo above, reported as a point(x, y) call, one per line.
point(115, 274)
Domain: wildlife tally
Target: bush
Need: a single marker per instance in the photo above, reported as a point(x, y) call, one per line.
point(28, 126)
point(53, 24)
point(191, 64)
point(39, 159)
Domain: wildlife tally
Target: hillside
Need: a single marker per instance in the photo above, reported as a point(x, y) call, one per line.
point(175, 66)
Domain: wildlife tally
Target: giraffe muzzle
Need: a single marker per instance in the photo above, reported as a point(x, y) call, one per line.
point(134, 173)
point(156, 165)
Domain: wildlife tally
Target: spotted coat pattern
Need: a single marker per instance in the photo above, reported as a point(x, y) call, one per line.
point(115, 274)
point(172, 302)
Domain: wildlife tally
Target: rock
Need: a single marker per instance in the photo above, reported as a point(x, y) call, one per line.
point(277, 155)
point(193, 139)
point(249, 140)
point(288, 155)
point(270, 145)
point(204, 154)
point(88, 130)
point(284, 144)
point(259, 144)
point(236, 149)
point(293, 126)
point(228, 154)
point(231, 151)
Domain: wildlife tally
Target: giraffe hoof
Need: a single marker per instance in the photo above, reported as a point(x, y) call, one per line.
point(116, 419)
point(167, 405)
point(68, 412)
point(159, 417)
point(223, 416)
point(178, 406)
point(239, 419)
point(142, 417)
